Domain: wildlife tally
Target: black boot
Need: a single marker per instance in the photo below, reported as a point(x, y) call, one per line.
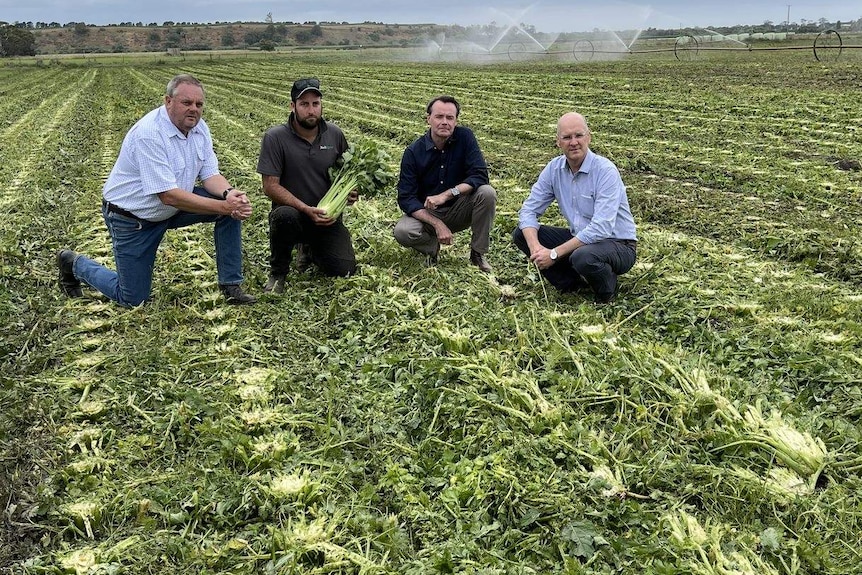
point(69, 284)
point(235, 296)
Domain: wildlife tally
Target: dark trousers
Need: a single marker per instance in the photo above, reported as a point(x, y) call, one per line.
point(331, 246)
point(596, 265)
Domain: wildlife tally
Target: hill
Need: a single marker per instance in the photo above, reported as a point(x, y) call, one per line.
point(82, 38)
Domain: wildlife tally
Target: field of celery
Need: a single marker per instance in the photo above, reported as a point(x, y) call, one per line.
point(413, 420)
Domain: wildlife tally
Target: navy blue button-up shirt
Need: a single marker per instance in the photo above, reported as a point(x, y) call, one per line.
point(427, 171)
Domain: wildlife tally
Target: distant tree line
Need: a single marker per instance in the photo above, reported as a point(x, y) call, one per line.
point(165, 24)
point(802, 26)
point(17, 39)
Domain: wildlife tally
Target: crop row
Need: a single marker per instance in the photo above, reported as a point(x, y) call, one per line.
point(733, 151)
point(416, 420)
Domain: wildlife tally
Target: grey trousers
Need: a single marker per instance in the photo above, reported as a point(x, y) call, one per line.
point(475, 211)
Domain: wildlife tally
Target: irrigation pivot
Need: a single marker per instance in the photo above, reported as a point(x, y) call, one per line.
point(517, 51)
point(685, 47)
point(828, 46)
point(583, 50)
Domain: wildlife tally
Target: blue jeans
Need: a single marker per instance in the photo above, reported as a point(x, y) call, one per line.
point(597, 265)
point(135, 244)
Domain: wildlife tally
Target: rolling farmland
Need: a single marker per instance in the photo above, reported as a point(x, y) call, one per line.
point(438, 420)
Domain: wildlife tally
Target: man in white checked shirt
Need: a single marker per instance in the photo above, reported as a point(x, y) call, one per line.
point(151, 189)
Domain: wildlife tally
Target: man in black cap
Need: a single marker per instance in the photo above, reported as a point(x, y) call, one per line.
point(294, 163)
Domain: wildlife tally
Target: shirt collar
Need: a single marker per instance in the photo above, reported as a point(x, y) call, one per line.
point(166, 120)
point(586, 165)
point(429, 141)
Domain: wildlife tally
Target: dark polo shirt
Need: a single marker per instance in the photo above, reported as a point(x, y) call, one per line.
point(302, 167)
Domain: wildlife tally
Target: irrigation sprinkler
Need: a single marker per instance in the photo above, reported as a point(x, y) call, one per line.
point(583, 51)
point(685, 47)
point(517, 51)
point(827, 46)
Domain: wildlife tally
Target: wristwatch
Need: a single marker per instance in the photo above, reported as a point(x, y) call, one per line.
point(224, 194)
point(455, 192)
point(553, 254)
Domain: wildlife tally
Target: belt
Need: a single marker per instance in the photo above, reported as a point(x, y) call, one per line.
point(118, 210)
point(629, 243)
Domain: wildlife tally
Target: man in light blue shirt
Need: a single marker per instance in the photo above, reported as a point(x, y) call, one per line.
point(600, 242)
point(150, 190)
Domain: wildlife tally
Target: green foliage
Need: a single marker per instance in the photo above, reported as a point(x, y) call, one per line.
point(16, 41)
point(228, 38)
point(369, 163)
point(423, 420)
point(303, 36)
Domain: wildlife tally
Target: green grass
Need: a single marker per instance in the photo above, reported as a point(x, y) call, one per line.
point(413, 420)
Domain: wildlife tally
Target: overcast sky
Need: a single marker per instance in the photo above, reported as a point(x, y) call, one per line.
point(544, 15)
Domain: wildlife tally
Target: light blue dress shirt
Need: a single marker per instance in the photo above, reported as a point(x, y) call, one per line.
point(156, 157)
point(593, 201)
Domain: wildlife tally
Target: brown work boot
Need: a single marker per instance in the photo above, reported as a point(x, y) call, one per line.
point(479, 261)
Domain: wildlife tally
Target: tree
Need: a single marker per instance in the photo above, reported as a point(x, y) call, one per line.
point(154, 37)
point(302, 36)
point(16, 42)
point(227, 37)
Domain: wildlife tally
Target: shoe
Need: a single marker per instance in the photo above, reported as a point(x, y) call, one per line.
point(479, 261)
point(69, 284)
point(275, 284)
point(235, 296)
point(303, 258)
point(432, 258)
point(602, 299)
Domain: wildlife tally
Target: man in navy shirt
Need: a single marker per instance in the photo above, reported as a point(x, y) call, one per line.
point(443, 187)
point(600, 242)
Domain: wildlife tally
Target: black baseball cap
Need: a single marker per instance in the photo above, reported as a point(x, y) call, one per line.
point(302, 86)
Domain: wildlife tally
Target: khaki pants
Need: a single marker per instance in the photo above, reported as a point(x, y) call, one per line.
point(475, 211)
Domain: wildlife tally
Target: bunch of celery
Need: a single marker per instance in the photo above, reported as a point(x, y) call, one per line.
point(364, 167)
point(335, 200)
point(699, 549)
